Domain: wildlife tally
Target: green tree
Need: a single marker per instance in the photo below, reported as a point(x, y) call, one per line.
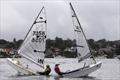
point(68, 43)
point(91, 42)
point(18, 43)
point(102, 43)
point(59, 43)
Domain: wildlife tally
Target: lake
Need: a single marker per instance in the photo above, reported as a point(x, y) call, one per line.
point(110, 70)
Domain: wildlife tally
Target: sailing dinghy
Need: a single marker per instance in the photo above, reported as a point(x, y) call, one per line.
point(33, 46)
point(83, 51)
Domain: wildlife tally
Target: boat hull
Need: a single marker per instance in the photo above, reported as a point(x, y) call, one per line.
point(76, 73)
point(85, 71)
point(18, 67)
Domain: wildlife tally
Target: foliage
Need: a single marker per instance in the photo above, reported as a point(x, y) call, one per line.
point(61, 44)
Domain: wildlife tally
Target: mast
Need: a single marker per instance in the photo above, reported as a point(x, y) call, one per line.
point(81, 30)
point(31, 26)
point(33, 46)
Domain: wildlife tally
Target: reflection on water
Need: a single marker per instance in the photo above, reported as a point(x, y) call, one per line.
point(110, 70)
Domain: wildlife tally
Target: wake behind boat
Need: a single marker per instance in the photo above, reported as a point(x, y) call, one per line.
point(33, 48)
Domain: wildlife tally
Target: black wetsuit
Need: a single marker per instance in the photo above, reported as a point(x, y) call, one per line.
point(46, 72)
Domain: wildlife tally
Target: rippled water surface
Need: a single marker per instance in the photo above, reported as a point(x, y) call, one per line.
point(110, 70)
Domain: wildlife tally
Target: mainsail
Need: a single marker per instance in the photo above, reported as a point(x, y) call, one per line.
point(83, 50)
point(33, 46)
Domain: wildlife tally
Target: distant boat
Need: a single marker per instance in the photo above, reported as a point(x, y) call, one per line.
point(33, 48)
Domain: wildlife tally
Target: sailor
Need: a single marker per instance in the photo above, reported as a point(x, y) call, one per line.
point(57, 70)
point(47, 70)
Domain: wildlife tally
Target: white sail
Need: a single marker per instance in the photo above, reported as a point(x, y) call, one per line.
point(33, 46)
point(83, 50)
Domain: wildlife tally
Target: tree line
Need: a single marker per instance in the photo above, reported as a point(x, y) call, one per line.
point(100, 47)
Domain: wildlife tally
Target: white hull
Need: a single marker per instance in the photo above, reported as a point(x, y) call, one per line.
point(83, 71)
point(18, 67)
point(76, 73)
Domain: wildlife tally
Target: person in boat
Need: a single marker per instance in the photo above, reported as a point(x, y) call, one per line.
point(57, 70)
point(46, 72)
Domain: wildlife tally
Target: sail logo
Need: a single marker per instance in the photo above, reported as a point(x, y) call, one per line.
point(38, 36)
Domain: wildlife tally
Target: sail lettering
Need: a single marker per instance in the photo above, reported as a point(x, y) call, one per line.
point(38, 36)
point(38, 33)
point(41, 61)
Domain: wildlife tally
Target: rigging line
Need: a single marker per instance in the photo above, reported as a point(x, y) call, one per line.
point(82, 31)
point(32, 25)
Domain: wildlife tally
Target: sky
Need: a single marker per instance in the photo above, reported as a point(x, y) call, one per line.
point(99, 18)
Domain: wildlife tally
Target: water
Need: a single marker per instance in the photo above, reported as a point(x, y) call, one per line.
point(110, 70)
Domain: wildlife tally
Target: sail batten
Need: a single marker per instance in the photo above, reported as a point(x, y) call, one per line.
point(40, 22)
point(77, 30)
